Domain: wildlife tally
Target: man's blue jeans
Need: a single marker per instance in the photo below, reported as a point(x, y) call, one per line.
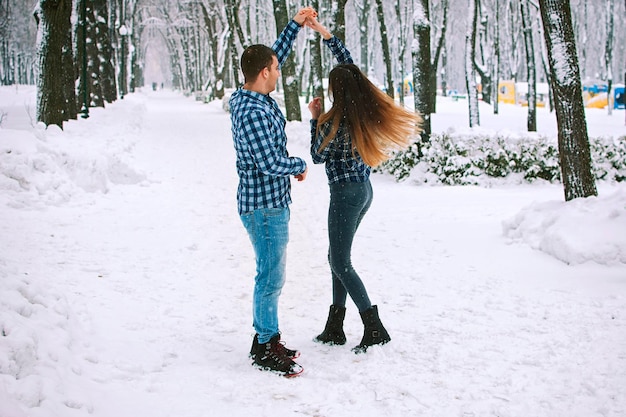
point(269, 233)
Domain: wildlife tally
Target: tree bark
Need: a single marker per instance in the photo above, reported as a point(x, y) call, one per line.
point(339, 19)
point(317, 73)
point(574, 153)
point(107, 69)
point(440, 51)
point(421, 65)
point(56, 96)
point(470, 68)
point(496, 58)
point(363, 14)
point(385, 44)
point(210, 24)
point(291, 88)
point(484, 67)
point(231, 11)
point(92, 75)
point(608, 52)
point(531, 123)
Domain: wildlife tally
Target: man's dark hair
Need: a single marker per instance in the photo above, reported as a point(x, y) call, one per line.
point(254, 59)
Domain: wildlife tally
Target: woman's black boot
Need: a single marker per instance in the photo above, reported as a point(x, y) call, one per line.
point(333, 332)
point(374, 333)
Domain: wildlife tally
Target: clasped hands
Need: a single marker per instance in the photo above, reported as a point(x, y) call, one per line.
point(307, 16)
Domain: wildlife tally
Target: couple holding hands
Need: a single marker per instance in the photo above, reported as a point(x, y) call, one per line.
point(354, 135)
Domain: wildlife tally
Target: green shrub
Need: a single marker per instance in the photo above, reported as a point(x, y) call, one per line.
point(461, 159)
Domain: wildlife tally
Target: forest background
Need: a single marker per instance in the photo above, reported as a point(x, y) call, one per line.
point(90, 52)
point(194, 45)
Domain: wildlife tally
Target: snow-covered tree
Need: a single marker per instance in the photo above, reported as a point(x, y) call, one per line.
point(17, 42)
point(574, 152)
point(215, 56)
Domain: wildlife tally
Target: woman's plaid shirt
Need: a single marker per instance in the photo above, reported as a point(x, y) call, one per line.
point(343, 163)
point(258, 128)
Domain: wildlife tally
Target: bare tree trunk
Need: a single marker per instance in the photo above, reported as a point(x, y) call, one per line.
point(105, 56)
point(55, 96)
point(530, 67)
point(385, 44)
point(7, 71)
point(440, 51)
point(136, 51)
point(291, 88)
point(363, 13)
point(496, 58)
point(470, 69)
point(214, 62)
point(575, 156)
point(421, 65)
point(231, 11)
point(316, 62)
point(339, 18)
point(484, 67)
point(608, 52)
point(89, 46)
point(444, 74)
point(512, 26)
point(402, 41)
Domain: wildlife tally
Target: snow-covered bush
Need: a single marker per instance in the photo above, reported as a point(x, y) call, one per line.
point(462, 159)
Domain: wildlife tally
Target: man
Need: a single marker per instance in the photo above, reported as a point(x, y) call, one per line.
point(263, 195)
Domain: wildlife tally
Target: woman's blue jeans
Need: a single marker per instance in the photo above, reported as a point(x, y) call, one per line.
point(269, 233)
point(349, 201)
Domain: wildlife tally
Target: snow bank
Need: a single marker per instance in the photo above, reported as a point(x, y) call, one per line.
point(582, 230)
point(49, 166)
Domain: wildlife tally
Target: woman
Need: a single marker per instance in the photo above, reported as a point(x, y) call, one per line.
point(356, 134)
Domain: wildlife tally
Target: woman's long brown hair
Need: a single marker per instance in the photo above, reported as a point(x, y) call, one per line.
point(375, 123)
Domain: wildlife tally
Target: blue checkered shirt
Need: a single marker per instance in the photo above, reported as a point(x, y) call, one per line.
point(343, 163)
point(258, 128)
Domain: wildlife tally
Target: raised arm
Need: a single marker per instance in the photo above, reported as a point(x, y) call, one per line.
point(285, 40)
point(339, 50)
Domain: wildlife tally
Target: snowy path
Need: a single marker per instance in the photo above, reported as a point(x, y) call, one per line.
point(153, 287)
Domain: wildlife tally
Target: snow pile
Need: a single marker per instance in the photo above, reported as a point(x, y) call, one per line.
point(50, 166)
point(582, 230)
point(41, 347)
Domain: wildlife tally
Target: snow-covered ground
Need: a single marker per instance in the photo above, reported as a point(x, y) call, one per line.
point(126, 279)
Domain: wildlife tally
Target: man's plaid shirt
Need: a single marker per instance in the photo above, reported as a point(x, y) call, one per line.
point(258, 128)
point(343, 163)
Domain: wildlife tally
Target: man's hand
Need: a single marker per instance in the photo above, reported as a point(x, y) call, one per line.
point(302, 177)
point(303, 14)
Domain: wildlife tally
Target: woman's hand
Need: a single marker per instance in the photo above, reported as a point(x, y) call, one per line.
point(315, 107)
point(312, 22)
